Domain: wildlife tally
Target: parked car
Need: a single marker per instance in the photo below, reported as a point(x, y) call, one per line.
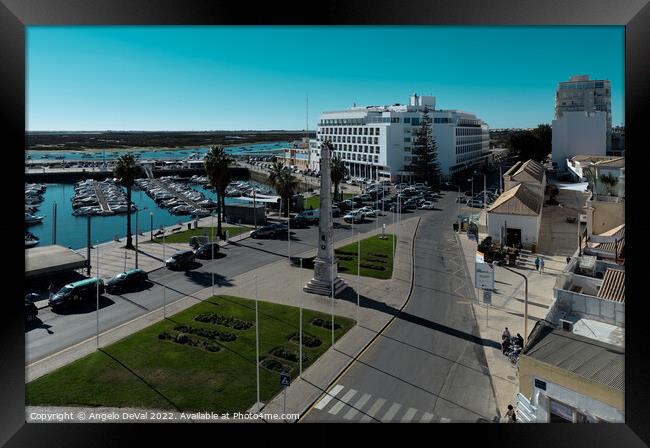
point(393, 208)
point(125, 280)
point(368, 211)
point(198, 240)
point(355, 216)
point(180, 259)
point(264, 232)
point(298, 223)
point(336, 212)
point(311, 216)
point(30, 311)
point(206, 250)
point(427, 205)
point(76, 292)
point(344, 205)
point(475, 203)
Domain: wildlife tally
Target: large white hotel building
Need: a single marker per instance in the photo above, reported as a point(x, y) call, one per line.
point(375, 141)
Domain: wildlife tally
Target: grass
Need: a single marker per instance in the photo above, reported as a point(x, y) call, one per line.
point(375, 255)
point(145, 371)
point(184, 236)
point(314, 201)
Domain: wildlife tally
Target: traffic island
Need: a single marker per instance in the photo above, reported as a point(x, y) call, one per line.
point(200, 359)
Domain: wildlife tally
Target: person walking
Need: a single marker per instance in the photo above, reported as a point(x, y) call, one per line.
point(505, 334)
point(537, 264)
point(541, 266)
point(51, 289)
point(511, 416)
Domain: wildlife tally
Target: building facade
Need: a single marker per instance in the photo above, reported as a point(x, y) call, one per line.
point(583, 119)
point(376, 141)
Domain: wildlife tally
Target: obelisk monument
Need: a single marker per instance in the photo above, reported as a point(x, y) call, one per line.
point(325, 267)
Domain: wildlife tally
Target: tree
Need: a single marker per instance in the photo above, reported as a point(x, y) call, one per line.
point(126, 171)
point(424, 163)
point(284, 183)
point(533, 144)
point(217, 168)
point(338, 171)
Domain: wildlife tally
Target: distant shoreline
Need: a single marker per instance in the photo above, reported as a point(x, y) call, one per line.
point(149, 148)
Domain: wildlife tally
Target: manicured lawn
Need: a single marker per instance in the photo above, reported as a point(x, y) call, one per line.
point(314, 201)
point(376, 257)
point(144, 370)
point(184, 236)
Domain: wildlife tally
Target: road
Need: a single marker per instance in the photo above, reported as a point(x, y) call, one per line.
point(52, 332)
point(428, 365)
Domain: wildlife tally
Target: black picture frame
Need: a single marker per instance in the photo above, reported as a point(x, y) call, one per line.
point(15, 15)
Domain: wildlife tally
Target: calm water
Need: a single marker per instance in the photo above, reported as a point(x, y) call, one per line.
point(145, 154)
point(72, 230)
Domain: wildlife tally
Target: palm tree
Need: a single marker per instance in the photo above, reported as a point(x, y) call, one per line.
point(126, 171)
point(217, 164)
point(283, 182)
point(338, 171)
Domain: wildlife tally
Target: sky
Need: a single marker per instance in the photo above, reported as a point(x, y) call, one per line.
point(173, 78)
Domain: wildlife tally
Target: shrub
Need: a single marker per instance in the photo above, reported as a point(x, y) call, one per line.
point(226, 321)
point(378, 255)
point(344, 257)
point(182, 338)
point(164, 335)
point(307, 341)
point(275, 365)
point(377, 260)
point(289, 355)
point(319, 322)
point(375, 267)
point(344, 252)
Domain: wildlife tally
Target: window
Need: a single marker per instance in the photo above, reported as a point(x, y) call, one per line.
point(372, 131)
point(376, 140)
point(407, 139)
point(415, 121)
point(365, 131)
point(376, 159)
point(364, 140)
point(407, 120)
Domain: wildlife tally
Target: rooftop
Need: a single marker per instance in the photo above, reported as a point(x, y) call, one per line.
point(587, 357)
point(529, 171)
point(519, 200)
point(613, 287)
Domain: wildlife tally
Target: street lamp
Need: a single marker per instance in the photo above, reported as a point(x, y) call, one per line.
point(151, 224)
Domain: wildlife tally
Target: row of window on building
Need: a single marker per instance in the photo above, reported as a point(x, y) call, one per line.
point(365, 130)
point(348, 139)
point(346, 156)
point(469, 131)
point(357, 148)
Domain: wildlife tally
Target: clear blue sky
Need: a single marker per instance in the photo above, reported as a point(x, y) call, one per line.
point(208, 78)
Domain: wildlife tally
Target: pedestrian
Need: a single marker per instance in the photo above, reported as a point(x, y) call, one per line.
point(568, 260)
point(511, 415)
point(505, 334)
point(541, 266)
point(51, 289)
point(520, 340)
point(537, 261)
point(505, 345)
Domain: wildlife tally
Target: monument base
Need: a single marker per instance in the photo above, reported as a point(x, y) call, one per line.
point(325, 288)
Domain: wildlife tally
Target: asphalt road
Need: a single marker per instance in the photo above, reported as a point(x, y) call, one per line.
point(52, 332)
point(428, 365)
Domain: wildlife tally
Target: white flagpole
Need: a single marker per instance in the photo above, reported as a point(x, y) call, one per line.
point(300, 310)
point(164, 287)
point(212, 245)
point(97, 272)
point(289, 230)
point(257, 346)
point(358, 269)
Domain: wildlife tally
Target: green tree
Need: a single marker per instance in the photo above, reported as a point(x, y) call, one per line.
point(338, 171)
point(424, 151)
point(126, 171)
point(217, 168)
point(284, 183)
point(535, 144)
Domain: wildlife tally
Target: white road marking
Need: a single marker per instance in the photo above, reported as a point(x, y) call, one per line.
point(344, 400)
point(358, 405)
point(409, 415)
point(373, 410)
point(391, 412)
point(327, 398)
point(426, 418)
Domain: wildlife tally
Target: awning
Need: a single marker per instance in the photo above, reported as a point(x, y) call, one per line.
point(46, 260)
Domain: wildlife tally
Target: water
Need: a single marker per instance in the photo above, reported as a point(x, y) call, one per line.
point(172, 154)
point(72, 230)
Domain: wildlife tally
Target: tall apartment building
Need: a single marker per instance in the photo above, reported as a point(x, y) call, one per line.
point(376, 141)
point(583, 119)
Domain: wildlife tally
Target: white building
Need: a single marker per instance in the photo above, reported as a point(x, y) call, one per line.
point(583, 119)
point(376, 141)
point(577, 133)
point(515, 217)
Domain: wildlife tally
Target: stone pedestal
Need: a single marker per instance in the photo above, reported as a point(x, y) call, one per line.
point(324, 270)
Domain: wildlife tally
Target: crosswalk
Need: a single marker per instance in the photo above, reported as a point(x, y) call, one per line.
point(352, 405)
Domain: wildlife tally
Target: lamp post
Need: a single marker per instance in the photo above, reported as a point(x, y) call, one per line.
point(212, 245)
point(525, 301)
point(97, 272)
point(151, 224)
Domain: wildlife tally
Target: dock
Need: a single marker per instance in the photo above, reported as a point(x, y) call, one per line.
point(100, 197)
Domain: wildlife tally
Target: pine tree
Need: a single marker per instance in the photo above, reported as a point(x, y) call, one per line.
point(424, 163)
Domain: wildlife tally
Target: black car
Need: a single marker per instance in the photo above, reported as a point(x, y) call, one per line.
point(205, 251)
point(180, 259)
point(125, 280)
point(267, 231)
point(298, 223)
point(77, 292)
point(30, 311)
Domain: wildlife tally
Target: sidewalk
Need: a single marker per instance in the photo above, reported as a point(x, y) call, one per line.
point(507, 310)
point(282, 283)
